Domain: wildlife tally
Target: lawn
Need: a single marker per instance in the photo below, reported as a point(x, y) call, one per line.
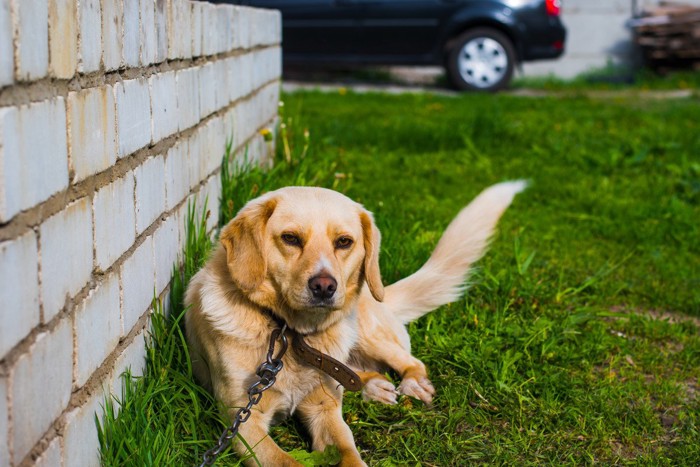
point(578, 341)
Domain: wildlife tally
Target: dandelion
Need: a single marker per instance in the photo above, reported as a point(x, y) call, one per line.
point(266, 134)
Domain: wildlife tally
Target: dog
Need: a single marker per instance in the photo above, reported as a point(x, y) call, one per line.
point(309, 257)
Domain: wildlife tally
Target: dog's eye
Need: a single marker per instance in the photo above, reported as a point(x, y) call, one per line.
point(343, 243)
point(291, 239)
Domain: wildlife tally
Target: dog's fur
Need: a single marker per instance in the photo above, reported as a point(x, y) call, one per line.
point(271, 256)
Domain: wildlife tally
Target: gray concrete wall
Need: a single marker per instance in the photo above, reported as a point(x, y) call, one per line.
point(597, 35)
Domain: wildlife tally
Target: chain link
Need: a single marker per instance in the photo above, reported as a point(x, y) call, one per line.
point(267, 374)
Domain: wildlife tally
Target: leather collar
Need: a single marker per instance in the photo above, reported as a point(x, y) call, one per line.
point(319, 360)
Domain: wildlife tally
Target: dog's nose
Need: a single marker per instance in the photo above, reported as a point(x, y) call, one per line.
point(322, 286)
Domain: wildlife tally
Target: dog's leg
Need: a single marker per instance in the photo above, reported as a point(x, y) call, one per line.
point(377, 387)
point(266, 452)
point(414, 376)
point(321, 412)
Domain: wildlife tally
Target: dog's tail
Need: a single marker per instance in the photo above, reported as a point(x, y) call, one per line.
point(442, 278)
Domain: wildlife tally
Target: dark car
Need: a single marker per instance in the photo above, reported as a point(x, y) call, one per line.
point(479, 42)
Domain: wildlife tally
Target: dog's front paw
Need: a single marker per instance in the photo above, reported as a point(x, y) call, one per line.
point(380, 390)
point(419, 388)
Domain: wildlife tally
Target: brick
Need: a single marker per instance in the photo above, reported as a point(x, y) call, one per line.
point(161, 24)
point(245, 74)
point(115, 223)
point(10, 183)
point(223, 28)
point(7, 56)
point(179, 22)
point(148, 32)
point(66, 255)
point(19, 294)
point(230, 40)
point(42, 367)
point(133, 115)
point(33, 155)
point(80, 439)
point(92, 130)
point(132, 33)
point(150, 192)
point(163, 105)
point(214, 146)
point(166, 250)
point(138, 284)
point(112, 34)
point(243, 26)
point(132, 358)
point(97, 328)
point(207, 90)
point(197, 28)
point(51, 457)
point(177, 175)
point(63, 38)
point(90, 44)
point(32, 40)
point(208, 29)
point(222, 95)
point(194, 154)
point(4, 415)
point(188, 107)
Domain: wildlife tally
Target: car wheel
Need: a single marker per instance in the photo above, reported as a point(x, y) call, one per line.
point(481, 59)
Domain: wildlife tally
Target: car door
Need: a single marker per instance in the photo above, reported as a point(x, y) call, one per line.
point(316, 28)
point(402, 27)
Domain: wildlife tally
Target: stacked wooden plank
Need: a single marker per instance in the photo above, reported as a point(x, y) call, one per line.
point(669, 36)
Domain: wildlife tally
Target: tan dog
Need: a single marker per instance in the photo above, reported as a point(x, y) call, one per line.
point(305, 254)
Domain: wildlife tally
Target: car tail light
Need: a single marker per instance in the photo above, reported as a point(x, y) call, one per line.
point(553, 7)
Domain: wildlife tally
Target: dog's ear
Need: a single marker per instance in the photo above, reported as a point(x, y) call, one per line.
point(372, 240)
point(244, 241)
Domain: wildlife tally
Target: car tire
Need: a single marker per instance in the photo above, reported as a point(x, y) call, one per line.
point(481, 59)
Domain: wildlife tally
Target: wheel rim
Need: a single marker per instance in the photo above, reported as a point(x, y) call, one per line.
point(482, 62)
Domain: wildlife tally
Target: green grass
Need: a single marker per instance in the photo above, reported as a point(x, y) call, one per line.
point(578, 341)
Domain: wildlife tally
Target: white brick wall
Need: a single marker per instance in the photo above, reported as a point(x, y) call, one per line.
point(4, 442)
point(150, 192)
point(137, 276)
point(32, 35)
point(7, 59)
point(112, 30)
point(95, 180)
point(97, 328)
point(163, 105)
point(19, 294)
point(177, 175)
point(66, 255)
point(115, 221)
point(133, 115)
point(63, 38)
point(44, 367)
point(148, 32)
point(92, 129)
point(132, 33)
point(90, 45)
point(41, 141)
point(81, 443)
point(188, 97)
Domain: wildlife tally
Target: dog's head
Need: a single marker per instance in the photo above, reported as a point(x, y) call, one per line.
point(305, 253)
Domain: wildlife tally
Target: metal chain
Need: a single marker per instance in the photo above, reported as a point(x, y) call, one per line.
point(267, 374)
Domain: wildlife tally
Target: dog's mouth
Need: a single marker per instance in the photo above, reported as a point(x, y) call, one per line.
point(322, 304)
